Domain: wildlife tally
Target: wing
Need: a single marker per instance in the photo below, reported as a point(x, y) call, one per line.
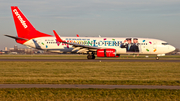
point(79, 47)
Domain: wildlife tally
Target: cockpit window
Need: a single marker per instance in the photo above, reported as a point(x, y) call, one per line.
point(165, 44)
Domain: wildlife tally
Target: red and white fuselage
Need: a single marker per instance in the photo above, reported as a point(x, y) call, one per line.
point(146, 45)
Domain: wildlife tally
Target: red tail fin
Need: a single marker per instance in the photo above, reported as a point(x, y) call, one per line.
point(24, 28)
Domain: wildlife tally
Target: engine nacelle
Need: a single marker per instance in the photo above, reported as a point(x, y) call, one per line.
point(106, 53)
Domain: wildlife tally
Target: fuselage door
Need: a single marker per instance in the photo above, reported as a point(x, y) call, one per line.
point(154, 44)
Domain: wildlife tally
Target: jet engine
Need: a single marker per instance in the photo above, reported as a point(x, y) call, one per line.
point(107, 53)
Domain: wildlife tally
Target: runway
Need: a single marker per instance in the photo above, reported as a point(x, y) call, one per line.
point(86, 60)
point(87, 86)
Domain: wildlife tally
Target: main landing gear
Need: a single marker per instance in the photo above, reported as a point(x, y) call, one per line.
point(90, 56)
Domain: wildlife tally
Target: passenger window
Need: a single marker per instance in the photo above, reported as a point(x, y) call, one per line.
point(164, 43)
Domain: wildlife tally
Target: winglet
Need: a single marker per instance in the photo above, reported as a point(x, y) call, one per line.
point(57, 37)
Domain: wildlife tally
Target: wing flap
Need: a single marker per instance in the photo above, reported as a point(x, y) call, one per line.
point(84, 50)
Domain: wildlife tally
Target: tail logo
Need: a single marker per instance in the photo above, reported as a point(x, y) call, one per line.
point(20, 18)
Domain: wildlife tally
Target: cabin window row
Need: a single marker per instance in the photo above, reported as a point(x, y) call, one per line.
point(96, 43)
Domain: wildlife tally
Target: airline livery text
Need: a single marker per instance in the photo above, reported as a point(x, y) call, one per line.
point(20, 18)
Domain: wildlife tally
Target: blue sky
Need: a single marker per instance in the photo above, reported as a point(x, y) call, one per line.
point(158, 19)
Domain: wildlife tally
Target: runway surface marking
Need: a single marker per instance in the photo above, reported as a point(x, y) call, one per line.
point(87, 86)
point(86, 60)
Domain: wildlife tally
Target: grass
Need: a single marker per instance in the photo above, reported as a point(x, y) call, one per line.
point(76, 56)
point(115, 73)
point(57, 56)
point(48, 94)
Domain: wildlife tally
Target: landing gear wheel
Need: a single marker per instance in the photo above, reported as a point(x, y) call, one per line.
point(91, 56)
point(157, 58)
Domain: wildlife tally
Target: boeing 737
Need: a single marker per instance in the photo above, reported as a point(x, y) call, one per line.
point(100, 46)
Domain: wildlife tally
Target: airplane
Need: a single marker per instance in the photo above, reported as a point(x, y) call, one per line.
point(100, 46)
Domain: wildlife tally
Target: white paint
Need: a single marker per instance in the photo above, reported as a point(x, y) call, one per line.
point(150, 48)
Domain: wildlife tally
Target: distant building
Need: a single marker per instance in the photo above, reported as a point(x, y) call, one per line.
point(1, 52)
point(5, 49)
point(178, 53)
point(11, 49)
point(29, 50)
point(16, 48)
point(13, 53)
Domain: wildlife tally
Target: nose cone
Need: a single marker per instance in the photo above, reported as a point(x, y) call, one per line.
point(171, 48)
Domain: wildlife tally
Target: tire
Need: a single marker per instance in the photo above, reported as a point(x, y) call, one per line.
point(89, 57)
point(157, 58)
point(93, 57)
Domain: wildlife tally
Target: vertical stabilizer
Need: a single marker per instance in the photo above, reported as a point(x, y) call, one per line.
point(23, 27)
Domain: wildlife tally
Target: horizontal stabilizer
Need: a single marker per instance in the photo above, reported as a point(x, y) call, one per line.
point(14, 37)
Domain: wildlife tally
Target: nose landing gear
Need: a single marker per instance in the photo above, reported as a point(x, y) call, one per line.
point(157, 58)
